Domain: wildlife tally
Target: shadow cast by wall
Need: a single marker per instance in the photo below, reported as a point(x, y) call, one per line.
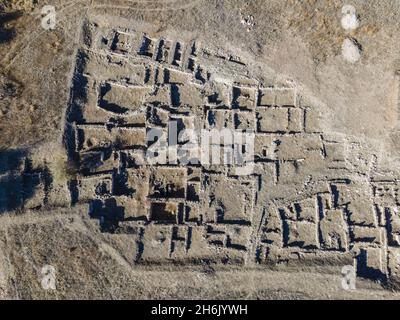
point(7, 33)
point(20, 182)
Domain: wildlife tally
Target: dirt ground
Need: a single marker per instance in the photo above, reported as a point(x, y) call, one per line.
point(324, 192)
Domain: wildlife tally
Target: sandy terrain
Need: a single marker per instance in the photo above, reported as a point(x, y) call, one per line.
point(90, 207)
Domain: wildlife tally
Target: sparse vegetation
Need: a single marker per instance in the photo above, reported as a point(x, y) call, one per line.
point(80, 192)
point(17, 5)
point(61, 169)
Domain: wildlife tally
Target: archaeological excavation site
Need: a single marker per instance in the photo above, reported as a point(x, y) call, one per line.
point(199, 149)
